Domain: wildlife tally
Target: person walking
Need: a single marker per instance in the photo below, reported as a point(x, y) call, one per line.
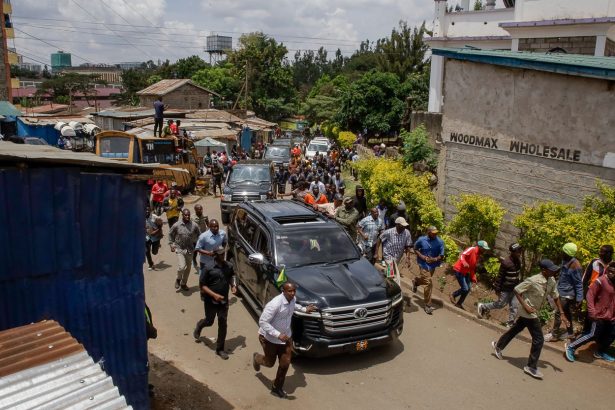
point(158, 191)
point(172, 206)
point(570, 289)
point(153, 235)
point(429, 251)
point(208, 242)
point(347, 216)
point(360, 201)
point(202, 221)
point(182, 237)
point(369, 228)
point(601, 313)
point(159, 108)
point(508, 277)
point(465, 272)
point(532, 294)
point(216, 174)
point(395, 241)
point(275, 335)
point(214, 284)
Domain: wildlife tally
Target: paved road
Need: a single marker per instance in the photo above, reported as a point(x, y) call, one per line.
point(440, 361)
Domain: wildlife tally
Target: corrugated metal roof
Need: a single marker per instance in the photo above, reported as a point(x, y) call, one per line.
point(214, 115)
point(8, 110)
point(44, 153)
point(43, 366)
point(44, 121)
point(561, 63)
point(164, 87)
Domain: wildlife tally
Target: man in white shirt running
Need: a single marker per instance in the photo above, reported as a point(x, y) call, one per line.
point(275, 334)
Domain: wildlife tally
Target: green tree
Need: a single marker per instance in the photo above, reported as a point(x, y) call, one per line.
point(18, 72)
point(371, 102)
point(220, 79)
point(63, 87)
point(270, 91)
point(416, 87)
point(478, 5)
point(133, 80)
point(417, 148)
point(403, 52)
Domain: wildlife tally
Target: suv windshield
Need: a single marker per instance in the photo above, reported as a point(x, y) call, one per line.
point(314, 247)
point(276, 152)
point(247, 173)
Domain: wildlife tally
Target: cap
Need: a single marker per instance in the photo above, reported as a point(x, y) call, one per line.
point(515, 247)
point(549, 265)
point(382, 145)
point(570, 249)
point(432, 229)
point(483, 245)
point(347, 200)
point(401, 206)
point(400, 220)
point(219, 251)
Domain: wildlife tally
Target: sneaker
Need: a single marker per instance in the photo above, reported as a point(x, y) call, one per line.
point(428, 310)
point(176, 283)
point(222, 354)
point(452, 299)
point(197, 334)
point(535, 373)
point(604, 356)
point(479, 310)
point(255, 364)
point(508, 324)
point(150, 268)
point(459, 306)
point(496, 349)
point(569, 353)
point(551, 337)
point(414, 287)
point(279, 392)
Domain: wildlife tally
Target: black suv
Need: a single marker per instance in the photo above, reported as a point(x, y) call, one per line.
point(248, 180)
point(278, 154)
point(357, 307)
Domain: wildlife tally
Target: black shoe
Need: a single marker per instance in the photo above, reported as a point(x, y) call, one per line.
point(197, 335)
point(428, 310)
point(176, 283)
point(414, 287)
point(279, 392)
point(184, 287)
point(255, 364)
point(223, 355)
point(459, 306)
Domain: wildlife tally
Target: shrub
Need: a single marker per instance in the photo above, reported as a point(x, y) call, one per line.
point(451, 249)
point(417, 148)
point(492, 269)
point(383, 178)
point(346, 139)
point(478, 217)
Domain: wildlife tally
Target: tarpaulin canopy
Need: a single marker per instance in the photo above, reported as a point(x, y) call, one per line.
point(207, 142)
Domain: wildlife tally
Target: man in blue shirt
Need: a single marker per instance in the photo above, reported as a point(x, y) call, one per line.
point(429, 254)
point(208, 242)
point(158, 116)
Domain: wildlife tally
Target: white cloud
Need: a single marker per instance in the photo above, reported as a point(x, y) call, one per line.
point(161, 29)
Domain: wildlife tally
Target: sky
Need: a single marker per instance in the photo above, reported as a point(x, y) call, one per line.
point(113, 31)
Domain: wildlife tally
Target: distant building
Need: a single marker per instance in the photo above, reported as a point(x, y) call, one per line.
point(567, 26)
point(37, 68)
point(177, 94)
point(6, 32)
point(60, 60)
point(111, 74)
point(129, 65)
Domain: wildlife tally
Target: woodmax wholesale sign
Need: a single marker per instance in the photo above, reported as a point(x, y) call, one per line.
point(518, 147)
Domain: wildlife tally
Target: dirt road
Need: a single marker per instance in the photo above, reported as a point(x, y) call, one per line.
point(440, 361)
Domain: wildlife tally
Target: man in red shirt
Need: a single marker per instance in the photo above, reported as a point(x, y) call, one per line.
point(465, 271)
point(158, 191)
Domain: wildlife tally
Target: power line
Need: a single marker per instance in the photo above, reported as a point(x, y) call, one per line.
point(52, 45)
point(93, 16)
point(186, 29)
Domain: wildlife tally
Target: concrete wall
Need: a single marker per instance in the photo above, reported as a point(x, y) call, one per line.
point(185, 97)
point(573, 45)
point(530, 10)
point(572, 113)
point(433, 124)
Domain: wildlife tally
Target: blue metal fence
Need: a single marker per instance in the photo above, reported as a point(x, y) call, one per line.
point(71, 249)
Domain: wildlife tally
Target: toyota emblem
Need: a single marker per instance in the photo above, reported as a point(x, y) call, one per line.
point(360, 313)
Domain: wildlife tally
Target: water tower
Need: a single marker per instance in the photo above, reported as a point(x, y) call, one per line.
point(217, 46)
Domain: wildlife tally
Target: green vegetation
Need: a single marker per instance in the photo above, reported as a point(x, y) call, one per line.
point(478, 218)
point(417, 148)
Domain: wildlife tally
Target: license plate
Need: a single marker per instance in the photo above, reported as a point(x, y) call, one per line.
point(362, 345)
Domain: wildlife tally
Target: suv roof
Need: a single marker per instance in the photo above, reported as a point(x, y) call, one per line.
point(264, 162)
point(283, 212)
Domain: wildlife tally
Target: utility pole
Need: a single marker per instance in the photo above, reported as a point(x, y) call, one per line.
point(247, 84)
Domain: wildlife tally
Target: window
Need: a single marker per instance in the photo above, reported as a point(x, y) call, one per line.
point(114, 147)
point(246, 227)
point(263, 244)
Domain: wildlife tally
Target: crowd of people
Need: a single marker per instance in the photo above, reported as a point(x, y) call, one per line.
point(383, 235)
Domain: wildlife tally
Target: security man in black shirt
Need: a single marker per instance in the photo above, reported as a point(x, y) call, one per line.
point(214, 284)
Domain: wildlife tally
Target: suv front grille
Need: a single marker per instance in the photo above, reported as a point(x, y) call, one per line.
point(344, 320)
point(249, 196)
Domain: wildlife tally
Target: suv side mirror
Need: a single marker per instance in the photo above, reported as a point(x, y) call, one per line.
point(256, 258)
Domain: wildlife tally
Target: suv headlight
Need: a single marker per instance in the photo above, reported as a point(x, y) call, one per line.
point(263, 197)
point(397, 299)
point(227, 197)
